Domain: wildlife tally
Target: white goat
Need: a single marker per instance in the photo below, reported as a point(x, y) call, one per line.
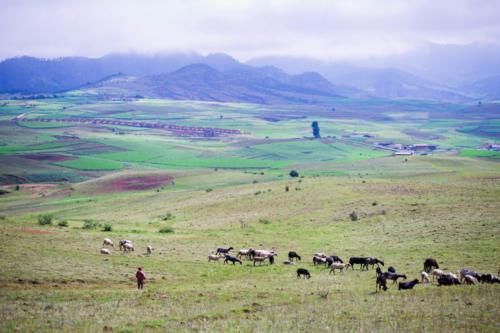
point(340, 266)
point(214, 257)
point(107, 242)
point(436, 274)
point(128, 247)
point(425, 277)
point(105, 251)
point(469, 279)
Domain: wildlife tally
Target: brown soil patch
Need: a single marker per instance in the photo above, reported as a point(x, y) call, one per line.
point(48, 157)
point(135, 183)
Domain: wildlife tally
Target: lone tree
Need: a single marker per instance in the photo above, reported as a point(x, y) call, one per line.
point(315, 128)
point(294, 173)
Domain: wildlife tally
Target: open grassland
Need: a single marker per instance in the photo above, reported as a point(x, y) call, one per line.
point(54, 279)
point(236, 191)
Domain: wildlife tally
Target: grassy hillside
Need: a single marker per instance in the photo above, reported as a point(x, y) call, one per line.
point(450, 213)
point(235, 190)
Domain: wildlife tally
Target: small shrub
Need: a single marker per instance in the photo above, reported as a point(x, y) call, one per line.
point(17, 187)
point(166, 230)
point(293, 173)
point(168, 216)
point(374, 203)
point(45, 219)
point(257, 193)
point(89, 224)
point(62, 223)
point(3, 217)
point(323, 294)
point(209, 190)
point(107, 227)
point(353, 216)
point(264, 221)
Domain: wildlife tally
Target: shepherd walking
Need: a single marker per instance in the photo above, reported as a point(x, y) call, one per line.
point(139, 275)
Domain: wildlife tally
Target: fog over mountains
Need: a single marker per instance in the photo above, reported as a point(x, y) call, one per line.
point(447, 73)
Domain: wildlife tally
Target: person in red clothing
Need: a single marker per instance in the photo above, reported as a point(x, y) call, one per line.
point(139, 275)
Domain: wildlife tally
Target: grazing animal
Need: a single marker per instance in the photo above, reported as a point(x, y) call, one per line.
point(407, 285)
point(128, 247)
point(357, 260)
point(489, 278)
point(123, 242)
point(260, 260)
point(214, 257)
point(445, 280)
point(393, 276)
point(105, 251)
point(430, 264)
point(263, 253)
point(288, 262)
point(486, 278)
point(292, 255)
point(231, 259)
point(320, 254)
point(107, 242)
point(466, 271)
point(244, 252)
point(425, 277)
point(450, 274)
point(381, 283)
point(373, 261)
point(364, 262)
point(436, 273)
point(319, 260)
point(222, 250)
point(391, 269)
point(331, 259)
point(469, 279)
point(337, 265)
point(302, 272)
point(149, 250)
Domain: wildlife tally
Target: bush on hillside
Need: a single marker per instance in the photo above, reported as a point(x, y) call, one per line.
point(45, 219)
point(107, 227)
point(166, 230)
point(89, 224)
point(293, 173)
point(62, 223)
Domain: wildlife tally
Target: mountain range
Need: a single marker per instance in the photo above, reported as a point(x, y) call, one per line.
point(219, 77)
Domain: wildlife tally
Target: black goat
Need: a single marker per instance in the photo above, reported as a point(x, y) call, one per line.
point(446, 280)
point(381, 283)
point(393, 276)
point(489, 278)
point(331, 259)
point(372, 261)
point(358, 260)
point(378, 271)
point(391, 269)
point(303, 272)
point(222, 250)
point(293, 254)
point(407, 285)
point(430, 264)
point(232, 259)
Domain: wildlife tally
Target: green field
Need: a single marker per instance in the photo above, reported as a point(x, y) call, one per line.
point(236, 191)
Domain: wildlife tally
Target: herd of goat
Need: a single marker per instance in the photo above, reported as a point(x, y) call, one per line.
point(431, 268)
point(430, 273)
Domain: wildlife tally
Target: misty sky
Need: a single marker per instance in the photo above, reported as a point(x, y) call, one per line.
point(334, 29)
